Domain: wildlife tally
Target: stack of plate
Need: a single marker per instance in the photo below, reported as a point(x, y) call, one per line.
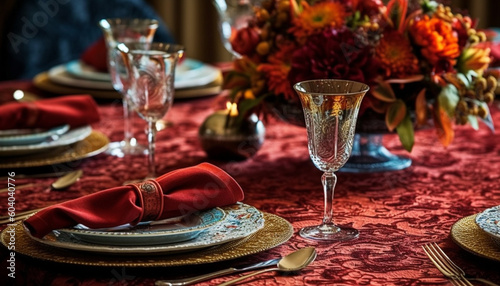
point(38, 147)
point(192, 79)
point(489, 221)
point(206, 236)
point(479, 233)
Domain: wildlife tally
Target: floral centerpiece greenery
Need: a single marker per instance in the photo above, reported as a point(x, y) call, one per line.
point(390, 46)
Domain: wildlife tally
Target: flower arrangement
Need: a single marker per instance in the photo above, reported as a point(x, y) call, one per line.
point(423, 62)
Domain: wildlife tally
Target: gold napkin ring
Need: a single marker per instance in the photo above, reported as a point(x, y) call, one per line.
point(151, 199)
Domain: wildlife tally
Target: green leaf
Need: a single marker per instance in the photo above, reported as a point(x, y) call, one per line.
point(395, 114)
point(488, 120)
point(406, 133)
point(463, 78)
point(236, 79)
point(448, 99)
point(384, 92)
point(246, 105)
point(473, 121)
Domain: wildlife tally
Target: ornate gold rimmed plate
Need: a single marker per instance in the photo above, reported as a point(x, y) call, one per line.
point(93, 144)
point(276, 231)
point(469, 236)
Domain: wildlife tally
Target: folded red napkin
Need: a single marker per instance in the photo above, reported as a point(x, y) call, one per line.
point(96, 55)
point(75, 110)
point(173, 194)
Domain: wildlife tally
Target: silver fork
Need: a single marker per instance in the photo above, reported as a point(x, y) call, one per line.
point(448, 268)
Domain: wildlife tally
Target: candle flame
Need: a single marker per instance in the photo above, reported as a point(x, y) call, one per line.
point(232, 108)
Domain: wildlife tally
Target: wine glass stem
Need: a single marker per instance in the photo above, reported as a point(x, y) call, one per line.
point(329, 180)
point(127, 126)
point(151, 149)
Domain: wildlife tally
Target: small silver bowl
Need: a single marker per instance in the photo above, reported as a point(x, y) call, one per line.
point(223, 137)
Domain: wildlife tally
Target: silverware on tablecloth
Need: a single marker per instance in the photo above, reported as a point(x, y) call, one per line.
point(294, 261)
point(61, 183)
point(196, 279)
point(449, 269)
point(16, 216)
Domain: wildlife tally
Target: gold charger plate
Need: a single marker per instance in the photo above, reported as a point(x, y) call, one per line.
point(467, 234)
point(94, 144)
point(43, 82)
point(276, 231)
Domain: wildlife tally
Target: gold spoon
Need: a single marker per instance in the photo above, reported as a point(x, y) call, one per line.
point(59, 184)
point(294, 261)
point(66, 180)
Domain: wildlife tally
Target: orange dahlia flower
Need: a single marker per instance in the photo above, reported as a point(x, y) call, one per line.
point(315, 18)
point(395, 55)
point(436, 38)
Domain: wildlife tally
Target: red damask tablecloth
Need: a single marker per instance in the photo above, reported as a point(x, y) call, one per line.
point(395, 212)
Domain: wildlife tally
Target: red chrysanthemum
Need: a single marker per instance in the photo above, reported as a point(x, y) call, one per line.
point(335, 53)
point(277, 69)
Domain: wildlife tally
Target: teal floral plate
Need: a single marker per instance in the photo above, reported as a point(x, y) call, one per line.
point(241, 221)
point(151, 233)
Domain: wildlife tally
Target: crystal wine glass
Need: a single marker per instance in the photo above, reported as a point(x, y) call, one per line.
point(233, 15)
point(119, 30)
point(330, 110)
point(151, 69)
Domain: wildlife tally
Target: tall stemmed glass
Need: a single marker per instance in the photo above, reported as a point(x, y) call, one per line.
point(117, 31)
point(233, 15)
point(151, 69)
point(330, 110)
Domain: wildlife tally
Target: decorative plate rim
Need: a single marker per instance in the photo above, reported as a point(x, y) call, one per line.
point(204, 224)
point(489, 221)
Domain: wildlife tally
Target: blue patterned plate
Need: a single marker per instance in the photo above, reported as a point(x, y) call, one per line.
point(242, 221)
point(153, 232)
point(489, 221)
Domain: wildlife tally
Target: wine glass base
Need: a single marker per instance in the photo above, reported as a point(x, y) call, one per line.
point(121, 149)
point(329, 233)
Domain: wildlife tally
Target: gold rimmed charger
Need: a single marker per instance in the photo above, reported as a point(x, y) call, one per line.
point(276, 231)
point(92, 145)
point(469, 236)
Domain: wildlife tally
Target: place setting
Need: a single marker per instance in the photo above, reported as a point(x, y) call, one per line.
point(49, 131)
point(92, 73)
point(168, 229)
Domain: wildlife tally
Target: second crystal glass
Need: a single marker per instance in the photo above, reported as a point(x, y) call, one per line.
point(330, 110)
point(117, 31)
point(151, 70)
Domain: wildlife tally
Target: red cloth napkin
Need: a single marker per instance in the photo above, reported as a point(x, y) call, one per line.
point(75, 110)
point(173, 194)
point(96, 55)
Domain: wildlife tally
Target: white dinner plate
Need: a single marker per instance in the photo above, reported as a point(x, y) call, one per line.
point(13, 137)
point(82, 70)
point(70, 137)
point(151, 233)
point(242, 220)
point(189, 73)
point(489, 221)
